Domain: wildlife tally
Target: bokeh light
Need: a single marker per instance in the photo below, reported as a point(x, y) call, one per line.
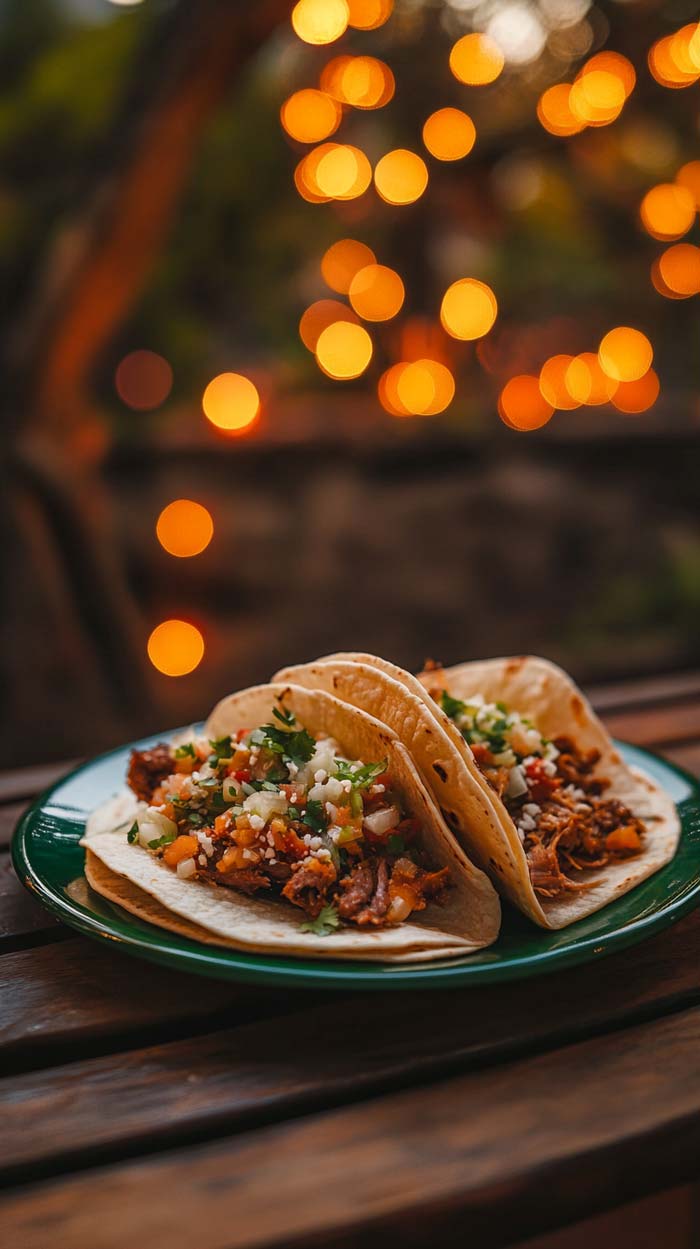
point(679, 269)
point(401, 176)
point(143, 380)
point(309, 115)
point(319, 315)
point(320, 21)
point(449, 134)
point(468, 309)
point(637, 396)
point(231, 402)
point(553, 384)
point(476, 60)
point(376, 293)
point(668, 210)
point(343, 350)
point(342, 261)
point(688, 176)
point(613, 63)
point(369, 14)
point(625, 354)
point(554, 111)
point(339, 172)
point(522, 405)
point(359, 81)
point(417, 388)
point(587, 383)
point(184, 528)
point(664, 65)
point(175, 648)
point(596, 98)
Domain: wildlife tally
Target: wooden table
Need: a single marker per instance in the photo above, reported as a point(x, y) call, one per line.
point(144, 1108)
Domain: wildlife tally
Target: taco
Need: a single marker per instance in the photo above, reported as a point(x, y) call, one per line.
point(293, 824)
point(525, 774)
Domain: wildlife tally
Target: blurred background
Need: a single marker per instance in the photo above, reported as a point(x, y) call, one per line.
point(362, 326)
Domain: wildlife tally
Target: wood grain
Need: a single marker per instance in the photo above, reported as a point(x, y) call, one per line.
point(192, 1089)
point(60, 1000)
point(28, 782)
point(23, 921)
point(9, 817)
point(481, 1159)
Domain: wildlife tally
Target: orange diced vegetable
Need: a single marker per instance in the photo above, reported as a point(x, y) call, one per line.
point(625, 839)
point(183, 847)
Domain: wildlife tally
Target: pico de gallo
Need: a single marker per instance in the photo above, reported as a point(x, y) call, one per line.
point(277, 812)
point(551, 791)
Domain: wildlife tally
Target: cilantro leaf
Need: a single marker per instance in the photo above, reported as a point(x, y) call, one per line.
point(324, 923)
point(287, 718)
point(222, 748)
point(360, 777)
point(185, 751)
point(165, 840)
point(452, 707)
point(295, 747)
point(133, 833)
point(315, 816)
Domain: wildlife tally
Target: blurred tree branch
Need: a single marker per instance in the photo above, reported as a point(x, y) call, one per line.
point(100, 259)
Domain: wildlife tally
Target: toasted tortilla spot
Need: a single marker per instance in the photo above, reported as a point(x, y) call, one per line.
point(437, 767)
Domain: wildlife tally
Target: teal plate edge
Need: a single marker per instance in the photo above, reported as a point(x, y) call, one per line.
point(47, 858)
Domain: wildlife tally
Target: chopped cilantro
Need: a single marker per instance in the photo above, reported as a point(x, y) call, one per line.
point(285, 717)
point(133, 833)
point(396, 844)
point(315, 816)
point(186, 751)
point(293, 813)
point(294, 746)
point(222, 748)
point(165, 840)
point(324, 923)
point(362, 777)
point(195, 819)
point(452, 707)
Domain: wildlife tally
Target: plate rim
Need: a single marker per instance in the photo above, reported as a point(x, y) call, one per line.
point(231, 966)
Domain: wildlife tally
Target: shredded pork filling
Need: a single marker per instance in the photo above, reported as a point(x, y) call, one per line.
point(552, 792)
point(279, 813)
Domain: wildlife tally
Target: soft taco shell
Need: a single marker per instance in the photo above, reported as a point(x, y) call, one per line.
point(473, 810)
point(468, 920)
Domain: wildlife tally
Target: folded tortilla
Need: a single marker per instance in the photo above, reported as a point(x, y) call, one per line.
point(467, 920)
point(478, 817)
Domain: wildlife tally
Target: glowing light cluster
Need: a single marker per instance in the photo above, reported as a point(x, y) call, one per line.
point(175, 647)
point(674, 60)
point(342, 261)
point(369, 14)
point(619, 372)
point(319, 315)
point(359, 81)
point(333, 171)
point(416, 388)
point(595, 98)
point(320, 21)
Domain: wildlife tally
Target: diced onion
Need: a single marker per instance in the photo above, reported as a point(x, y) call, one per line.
point(379, 822)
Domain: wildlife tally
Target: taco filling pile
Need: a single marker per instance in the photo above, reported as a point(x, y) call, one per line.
point(558, 806)
point(278, 812)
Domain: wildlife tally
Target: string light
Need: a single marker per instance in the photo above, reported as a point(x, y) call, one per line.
point(668, 211)
point(638, 396)
point(449, 134)
point(401, 177)
point(369, 14)
point(343, 350)
point(553, 383)
point(231, 403)
point(360, 81)
point(679, 269)
point(468, 309)
point(184, 528)
point(587, 383)
point(418, 388)
point(175, 647)
point(376, 293)
point(555, 113)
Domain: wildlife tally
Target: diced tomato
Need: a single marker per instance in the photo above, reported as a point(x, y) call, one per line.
point(183, 847)
point(242, 775)
point(541, 785)
point(240, 734)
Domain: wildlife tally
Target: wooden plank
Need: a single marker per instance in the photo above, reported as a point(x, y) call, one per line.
point(60, 1001)
point(23, 921)
point(643, 691)
point(193, 1089)
point(28, 782)
point(656, 726)
point(9, 816)
point(480, 1159)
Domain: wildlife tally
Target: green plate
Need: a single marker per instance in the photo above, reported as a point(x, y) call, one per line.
point(48, 859)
